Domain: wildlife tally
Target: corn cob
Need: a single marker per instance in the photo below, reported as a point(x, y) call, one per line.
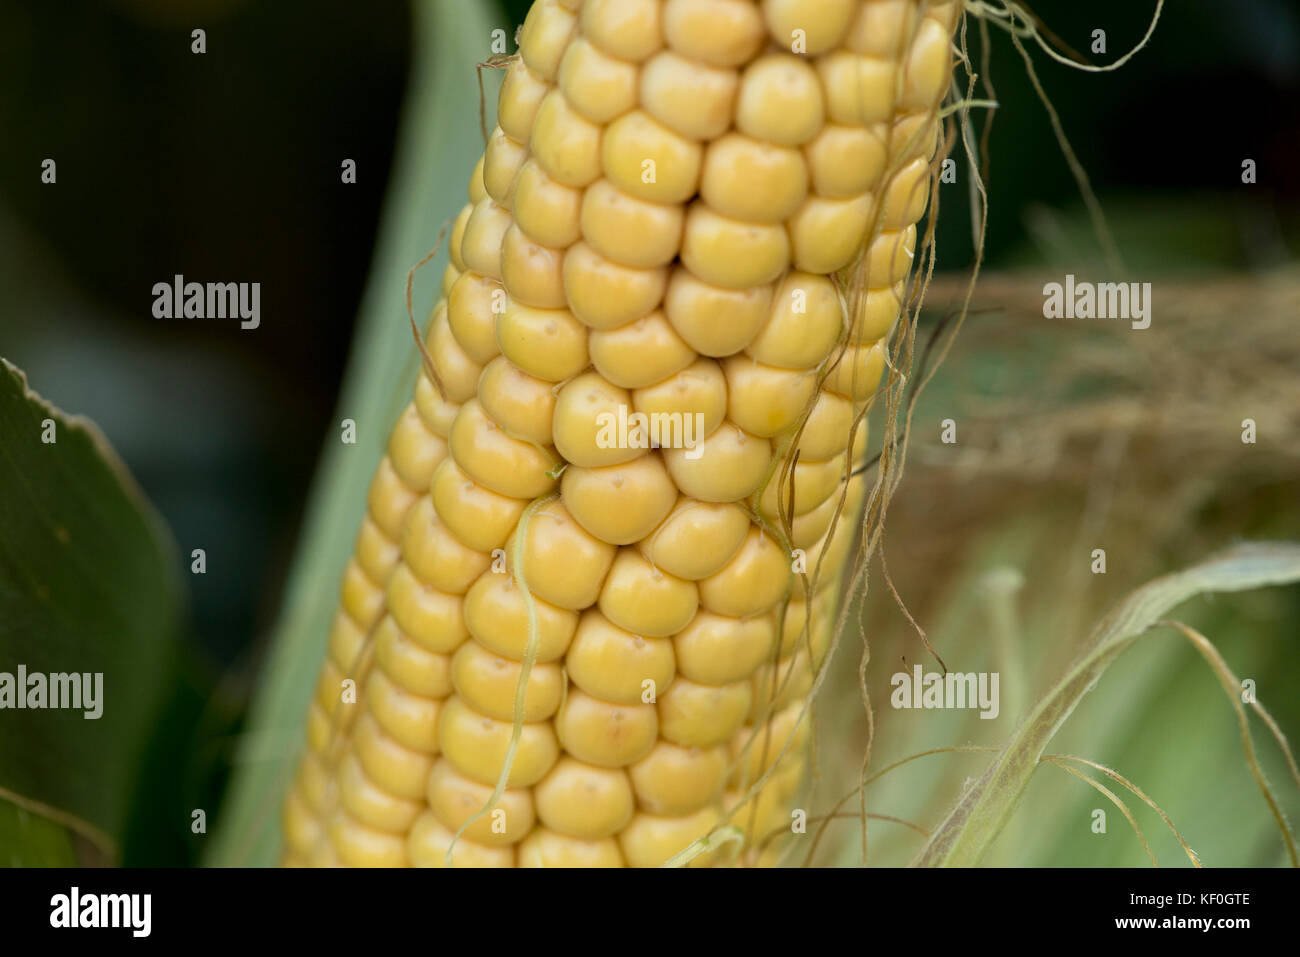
point(663, 221)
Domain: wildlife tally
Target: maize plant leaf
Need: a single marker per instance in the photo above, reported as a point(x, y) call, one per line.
point(90, 601)
point(438, 146)
point(984, 808)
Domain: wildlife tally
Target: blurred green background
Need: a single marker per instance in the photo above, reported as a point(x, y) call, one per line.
point(225, 166)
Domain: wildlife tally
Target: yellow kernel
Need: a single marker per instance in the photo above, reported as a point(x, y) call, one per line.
point(845, 160)
point(521, 93)
point(415, 668)
point(791, 679)
point(645, 600)
point(476, 745)
point(627, 29)
point(329, 685)
point(497, 616)
point(302, 829)
point(675, 781)
point(544, 35)
point(585, 423)
point(435, 555)
point(455, 799)
point(795, 629)
point(375, 553)
point(606, 734)
point(641, 353)
point(477, 188)
point(697, 396)
point(651, 841)
point(584, 801)
point(858, 372)
point(829, 555)
point(394, 767)
point(533, 274)
point(714, 321)
point(804, 324)
point(907, 195)
point(859, 89)
point(619, 504)
point(700, 716)
point(409, 719)
point(612, 664)
point(720, 32)
point(360, 846)
point(389, 500)
point(806, 529)
point(878, 309)
point(564, 143)
point(545, 210)
point(362, 598)
point(521, 404)
point(435, 411)
point(718, 649)
point(648, 160)
point(428, 842)
point(370, 804)
point(597, 85)
point(889, 258)
point(780, 100)
point(488, 683)
point(752, 582)
point(605, 295)
point(471, 315)
point(451, 273)
point(430, 618)
point(627, 230)
point(913, 135)
point(813, 481)
point(484, 233)
point(809, 26)
point(730, 252)
point(764, 400)
point(347, 642)
point(730, 465)
point(697, 538)
point(502, 158)
point(507, 466)
point(457, 239)
point(928, 67)
point(457, 372)
point(546, 848)
point(882, 28)
point(321, 730)
point(548, 344)
point(479, 518)
point(414, 451)
point(753, 180)
point(827, 234)
point(693, 98)
point(562, 563)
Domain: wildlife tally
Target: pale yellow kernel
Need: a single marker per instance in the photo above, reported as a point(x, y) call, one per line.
point(813, 482)
point(755, 750)
point(521, 404)
point(908, 192)
point(606, 734)
point(564, 143)
point(719, 649)
point(674, 781)
point(781, 685)
point(457, 372)
point(488, 683)
point(858, 373)
point(545, 210)
point(764, 400)
point(431, 618)
point(688, 96)
point(808, 26)
point(628, 29)
point(711, 320)
point(755, 579)
point(409, 719)
point(616, 665)
point(370, 804)
point(476, 745)
point(859, 89)
point(597, 85)
point(435, 555)
point(544, 36)
point(302, 828)
point(585, 425)
point(484, 232)
point(805, 322)
point(877, 312)
point(651, 841)
point(415, 668)
point(362, 599)
point(480, 519)
point(645, 600)
point(890, 257)
point(730, 465)
point(619, 504)
point(496, 613)
point(507, 466)
point(375, 553)
point(472, 317)
point(562, 563)
point(641, 353)
point(690, 405)
point(546, 848)
point(882, 28)
point(730, 252)
point(753, 180)
point(585, 801)
point(456, 241)
point(360, 846)
point(429, 841)
point(533, 274)
point(627, 230)
point(605, 295)
point(548, 344)
point(803, 629)
point(502, 159)
point(720, 32)
point(697, 538)
point(521, 94)
point(397, 769)
point(455, 799)
point(437, 412)
point(347, 642)
point(827, 234)
point(700, 716)
point(388, 500)
point(477, 188)
point(780, 100)
point(845, 161)
point(650, 161)
point(928, 67)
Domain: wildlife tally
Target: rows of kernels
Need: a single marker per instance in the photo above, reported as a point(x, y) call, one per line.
point(653, 228)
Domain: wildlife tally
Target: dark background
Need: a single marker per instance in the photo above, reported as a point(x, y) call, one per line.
point(226, 166)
